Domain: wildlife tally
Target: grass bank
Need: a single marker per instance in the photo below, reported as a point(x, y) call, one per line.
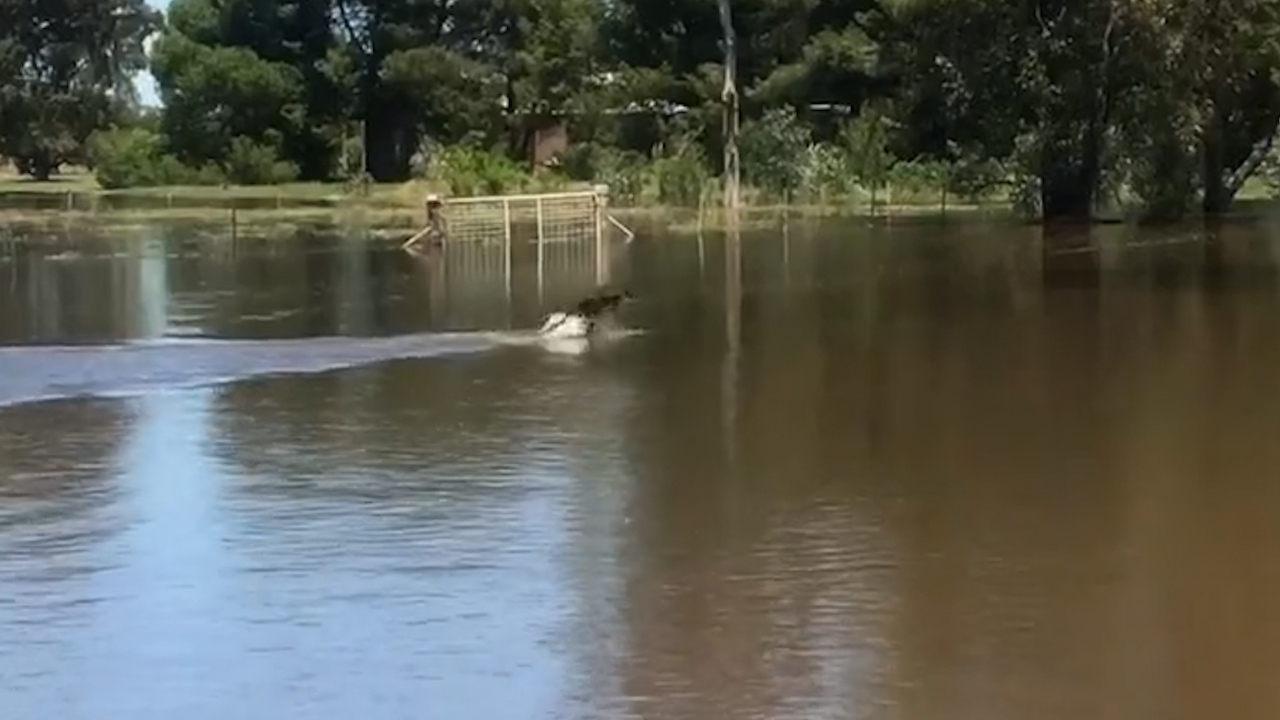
point(398, 206)
point(77, 196)
point(82, 187)
point(395, 206)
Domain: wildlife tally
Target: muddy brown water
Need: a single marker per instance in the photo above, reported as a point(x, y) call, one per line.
point(920, 471)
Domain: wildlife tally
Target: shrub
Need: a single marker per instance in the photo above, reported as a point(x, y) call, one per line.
point(252, 163)
point(824, 172)
point(774, 151)
point(919, 179)
point(681, 176)
point(473, 171)
point(971, 176)
point(622, 170)
point(865, 139)
point(135, 157)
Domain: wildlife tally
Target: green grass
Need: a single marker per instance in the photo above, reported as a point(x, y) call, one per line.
point(1255, 188)
point(399, 205)
point(401, 220)
point(391, 199)
point(83, 184)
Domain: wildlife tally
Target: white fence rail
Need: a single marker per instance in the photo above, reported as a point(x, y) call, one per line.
point(561, 227)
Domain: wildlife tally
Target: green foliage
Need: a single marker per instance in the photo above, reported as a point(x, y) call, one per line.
point(266, 71)
point(972, 176)
point(135, 157)
point(252, 163)
point(773, 151)
point(1161, 107)
point(552, 53)
point(825, 172)
point(214, 95)
point(350, 157)
point(472, 171)
point(680, 177)
point(447, 93)
point(622, 170)
point(64, 73)
point(913, 178)
point(866, 140)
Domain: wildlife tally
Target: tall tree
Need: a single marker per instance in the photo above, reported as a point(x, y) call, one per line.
point(1042, 96)
point(1235, 48)
point(371, 32)
point(466, 69)
point(66, 69)
point(259, 70)
point(732, 114)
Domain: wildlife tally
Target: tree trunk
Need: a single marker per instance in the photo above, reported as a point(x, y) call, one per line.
point(1213, 160)
point(1071, 172)
point(1067, 188)
point(41, 166)
point(389, 144)
point(1223, 176)
point(729, 97)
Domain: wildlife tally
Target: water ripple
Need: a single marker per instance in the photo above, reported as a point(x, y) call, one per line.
point(35, 373)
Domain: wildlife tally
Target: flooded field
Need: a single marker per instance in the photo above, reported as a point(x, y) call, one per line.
point(922, 471)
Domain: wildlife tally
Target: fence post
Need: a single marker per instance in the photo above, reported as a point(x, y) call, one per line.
point(506, 221)
point(540, 249)
point(538, 203)
point(600, 198)
point(506, 232)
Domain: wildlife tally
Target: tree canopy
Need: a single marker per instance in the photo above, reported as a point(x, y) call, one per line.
point(66, 69)
point(1162, 104)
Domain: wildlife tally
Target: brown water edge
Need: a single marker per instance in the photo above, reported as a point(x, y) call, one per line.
point(923, 471)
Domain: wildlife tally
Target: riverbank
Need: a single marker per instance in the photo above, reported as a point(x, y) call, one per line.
point(391, 208)
point(395, 206)
point(82, 189)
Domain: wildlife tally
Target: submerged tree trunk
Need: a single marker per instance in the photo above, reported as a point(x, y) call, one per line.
point(42, 165)
point(1071, 169)
point(1067, 190)
point(1070, 176)
point(390, 141)
point(1216, 196)
point(1213, 155)
point(729, 98)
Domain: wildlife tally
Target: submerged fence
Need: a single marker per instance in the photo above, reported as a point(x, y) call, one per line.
point(564, 232)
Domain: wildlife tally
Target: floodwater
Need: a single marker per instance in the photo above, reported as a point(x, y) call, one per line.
point(949, 470)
